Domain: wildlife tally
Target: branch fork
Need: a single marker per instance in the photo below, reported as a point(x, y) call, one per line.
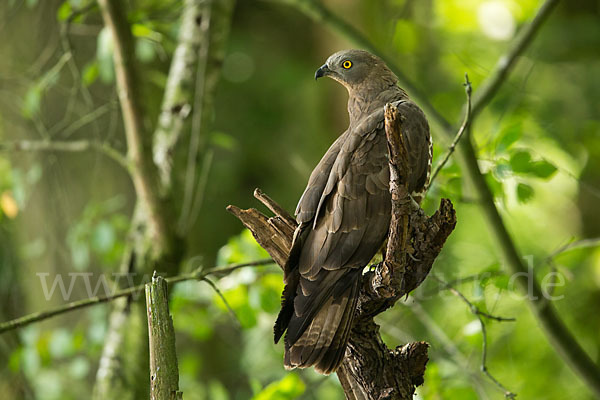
point(370, 370)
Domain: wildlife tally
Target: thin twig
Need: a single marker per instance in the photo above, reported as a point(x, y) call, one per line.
point(447, 346)
point(554, 328)
point(561, 338)
point(459, 134)
point(479, 314)
point(224, 300)
point(67, 129)
point(473, 308)
point(66, 146)
point(460, 281)
point(578, 244)
point(571, 245)
point(198, 274)
point(507, 393)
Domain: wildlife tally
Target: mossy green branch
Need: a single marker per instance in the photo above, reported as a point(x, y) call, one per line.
point(131, 291)
point(164, 372)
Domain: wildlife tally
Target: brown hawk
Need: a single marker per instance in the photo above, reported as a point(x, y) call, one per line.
point(344, 213)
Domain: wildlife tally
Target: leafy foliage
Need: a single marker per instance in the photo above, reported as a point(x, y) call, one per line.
point(537, 144)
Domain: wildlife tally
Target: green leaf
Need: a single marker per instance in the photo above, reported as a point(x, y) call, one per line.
point(288, 388)
point(543, 169)
point(520, 162)
point(524, 192)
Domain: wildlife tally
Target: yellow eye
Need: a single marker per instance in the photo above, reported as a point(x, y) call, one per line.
point(347, 64)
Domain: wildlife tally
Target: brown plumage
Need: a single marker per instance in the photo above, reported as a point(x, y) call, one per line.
point(344, 213)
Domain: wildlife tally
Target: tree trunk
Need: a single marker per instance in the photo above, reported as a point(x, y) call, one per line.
point(155, 243)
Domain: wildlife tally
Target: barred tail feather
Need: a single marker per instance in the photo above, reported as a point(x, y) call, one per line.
point(324, 341)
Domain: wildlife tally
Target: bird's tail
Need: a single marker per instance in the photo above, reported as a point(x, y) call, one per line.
point(322, 344)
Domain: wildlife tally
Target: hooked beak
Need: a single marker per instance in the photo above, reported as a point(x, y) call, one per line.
point(322, 71)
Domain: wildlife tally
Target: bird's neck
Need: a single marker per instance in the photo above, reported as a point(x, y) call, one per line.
point(362, 102)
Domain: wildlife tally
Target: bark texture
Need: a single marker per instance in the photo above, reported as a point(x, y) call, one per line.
point(370, 370)
point(164, 373)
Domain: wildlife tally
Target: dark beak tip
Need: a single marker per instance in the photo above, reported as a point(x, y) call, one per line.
point(321, 71)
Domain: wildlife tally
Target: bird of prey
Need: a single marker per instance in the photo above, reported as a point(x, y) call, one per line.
point(344, 214)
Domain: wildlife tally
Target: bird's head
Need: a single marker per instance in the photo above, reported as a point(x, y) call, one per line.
point(352, 68)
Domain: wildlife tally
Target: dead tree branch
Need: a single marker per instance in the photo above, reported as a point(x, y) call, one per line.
point(484, 338)
point(370, 370)
point(164, 373)
point(199, 274)
point(459, 134)
point(66, 146)
point(552, 325)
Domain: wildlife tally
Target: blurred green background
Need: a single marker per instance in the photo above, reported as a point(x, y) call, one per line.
point(538, 142)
